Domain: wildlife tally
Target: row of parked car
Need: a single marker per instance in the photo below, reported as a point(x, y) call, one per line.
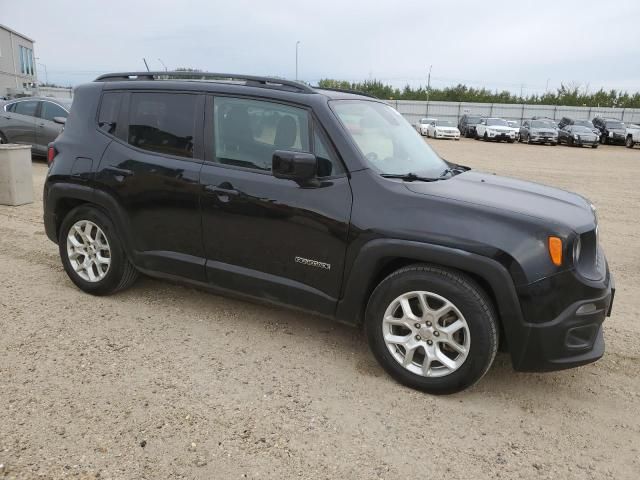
point(543, 130)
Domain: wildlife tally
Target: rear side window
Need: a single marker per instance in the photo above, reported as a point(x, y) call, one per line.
point(249, 131)
point(26, 108)
point(51, 110)
point(163, 122)
point(109, 111)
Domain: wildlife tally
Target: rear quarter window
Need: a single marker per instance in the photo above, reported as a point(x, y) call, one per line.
point(109, 111)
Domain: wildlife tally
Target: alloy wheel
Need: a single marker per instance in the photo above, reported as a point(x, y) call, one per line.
point(88, 251)
point(426, 334)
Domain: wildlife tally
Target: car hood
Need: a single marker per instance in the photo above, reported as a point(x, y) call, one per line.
point(620, 131)
point(509, 194)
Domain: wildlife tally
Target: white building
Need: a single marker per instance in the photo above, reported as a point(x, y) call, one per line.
point(17, 64)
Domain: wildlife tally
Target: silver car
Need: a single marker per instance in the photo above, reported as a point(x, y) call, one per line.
point(34, 121)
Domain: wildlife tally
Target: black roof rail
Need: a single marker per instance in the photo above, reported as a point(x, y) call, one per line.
point(347, 90)
point(250, 80)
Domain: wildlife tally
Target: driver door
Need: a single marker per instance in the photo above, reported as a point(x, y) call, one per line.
point(267, 237)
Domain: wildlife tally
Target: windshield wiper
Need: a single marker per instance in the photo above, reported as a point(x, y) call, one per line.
point(410, 177)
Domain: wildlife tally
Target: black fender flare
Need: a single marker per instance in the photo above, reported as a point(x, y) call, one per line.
point(58, 192)
point(376, 253)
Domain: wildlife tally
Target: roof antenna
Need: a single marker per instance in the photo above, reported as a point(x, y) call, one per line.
point(145, 63)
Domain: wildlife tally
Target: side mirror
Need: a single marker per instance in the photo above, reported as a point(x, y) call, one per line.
point(294, 165)
point(60, 120)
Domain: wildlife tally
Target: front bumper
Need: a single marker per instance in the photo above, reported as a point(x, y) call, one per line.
point(501, 136)
point(572, 338)
point(454, 135)
point(584, 142)
point(543, 139)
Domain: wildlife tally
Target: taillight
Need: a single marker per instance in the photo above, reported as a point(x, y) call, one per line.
point(51, 154)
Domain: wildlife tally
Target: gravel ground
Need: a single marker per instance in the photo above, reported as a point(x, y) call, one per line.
point(164, 381)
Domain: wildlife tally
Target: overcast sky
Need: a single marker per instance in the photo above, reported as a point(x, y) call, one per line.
point(502, 45)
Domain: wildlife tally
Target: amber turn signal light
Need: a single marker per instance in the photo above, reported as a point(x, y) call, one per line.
point(555, 250)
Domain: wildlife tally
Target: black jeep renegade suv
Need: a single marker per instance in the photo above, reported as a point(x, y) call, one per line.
point(330, 202)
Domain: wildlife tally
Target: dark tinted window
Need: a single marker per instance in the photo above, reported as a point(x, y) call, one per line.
point(26, 108)
point(109, 110)
point(50, 110)
point(328, 164)
point(247, 132)
point(10, 108)
point(163, 122)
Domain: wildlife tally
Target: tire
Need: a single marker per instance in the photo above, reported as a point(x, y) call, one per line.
point(603, 140)
point(570, 142)
point(98, 279)
point(628, 142)
point(3, 139)
point(528, 140)
point(485, 137)
point(594, 146)
point(511, 140)
point(472, 311)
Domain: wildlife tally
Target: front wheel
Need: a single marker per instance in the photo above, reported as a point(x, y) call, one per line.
point(485, 137)
point(92, 254)
point(432, 329)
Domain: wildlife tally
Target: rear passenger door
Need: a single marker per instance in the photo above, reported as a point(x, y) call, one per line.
point(20, 122)
point(46, 129)
point(152, 168)
point(268, 237)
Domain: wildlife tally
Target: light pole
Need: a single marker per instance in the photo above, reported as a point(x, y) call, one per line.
point(428, 87)
point(165, 67)
point(297, 44)
point(46, 76)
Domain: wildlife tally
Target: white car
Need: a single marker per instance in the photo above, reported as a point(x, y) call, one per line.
point(423, 125)
point(496, 129)
point(633, 135)
point(443, 129)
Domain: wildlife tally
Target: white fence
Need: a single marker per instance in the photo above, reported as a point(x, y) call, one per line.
point(413, 111)
point(58, 92)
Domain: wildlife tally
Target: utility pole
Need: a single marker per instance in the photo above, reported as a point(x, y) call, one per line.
point(165, 67)
point(297, 43)
point(428, 88)
point(546, 89)
point(145, 63)
point(46, 76)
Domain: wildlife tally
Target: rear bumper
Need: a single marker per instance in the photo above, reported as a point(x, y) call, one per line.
point(571, 339)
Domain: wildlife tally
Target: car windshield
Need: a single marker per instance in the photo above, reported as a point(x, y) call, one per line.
point(542, 124)
point(615, 125)
point(386, 139)
point(425, 121)
point(473, 120)
point(583, 123)
point(495, 122)
point(580, 129)
point(444, 123)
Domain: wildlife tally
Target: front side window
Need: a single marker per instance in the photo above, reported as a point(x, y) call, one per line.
point(328, 164)
point(163, 123)
point(386, 139)
point(247, 132)
point(28, 108)
point(51, 110)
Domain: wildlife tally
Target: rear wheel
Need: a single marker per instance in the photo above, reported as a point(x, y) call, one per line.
point(628, 141)
point(92, 254)
point(432, 329)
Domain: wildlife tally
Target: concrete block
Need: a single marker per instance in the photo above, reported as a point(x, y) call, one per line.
point(16, 177)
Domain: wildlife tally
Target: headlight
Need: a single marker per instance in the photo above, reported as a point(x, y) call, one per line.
point(611, 134)
point(575, 136)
